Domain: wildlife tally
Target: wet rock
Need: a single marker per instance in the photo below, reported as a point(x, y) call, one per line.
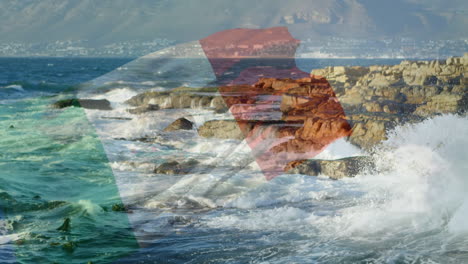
point(69, 246)
point(444, 104)
point(369, 133)
point(66, 103)
point(51, 205)
point(359, 103)
point(180, 124)
point(143, 109)
point(225, 129)
point(335, 169)
point(118, 207)
point(174, 167)
point(116, 118)
point(101, 104)
point(66, 226)
point(173, 99)
point(315, 134)
point(95, 104)
point(20, 242)
point(179, 220)
point(219, 105)
point(339, 74)
point(377, 98)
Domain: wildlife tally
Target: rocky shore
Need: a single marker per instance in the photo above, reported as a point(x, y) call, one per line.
point(300, 117)
point(377, 98)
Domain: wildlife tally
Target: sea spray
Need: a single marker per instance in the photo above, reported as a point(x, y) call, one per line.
point(416, 195)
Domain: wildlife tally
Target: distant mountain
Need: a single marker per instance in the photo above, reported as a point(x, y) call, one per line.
point(106, 21)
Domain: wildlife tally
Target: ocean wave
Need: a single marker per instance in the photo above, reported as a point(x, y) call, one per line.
point(420, 185)
point(16, 87)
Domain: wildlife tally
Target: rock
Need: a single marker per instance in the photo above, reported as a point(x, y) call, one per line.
point(341, 74)
point(444, 104)
point(358, 103)
point(284, 84)
point(377, 98)
point(12, 126)
point(20, 242)
point(177, 99)
point(219, 105)
point(174, 167)
point(66, 103)
point(373, 107)
point(101, 104)
point(368, 133)
point(143, 109)
point(225, 129)
point(66, 226)
point(335, 169)
point(180, 124)
point(171, 167)
point(69, 246)
point(95, 104)
point(323, 130)
point(118, 207)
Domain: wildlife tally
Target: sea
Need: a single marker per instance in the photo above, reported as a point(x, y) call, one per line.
point(77, 185)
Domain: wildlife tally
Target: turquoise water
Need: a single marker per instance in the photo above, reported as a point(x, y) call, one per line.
point(53, 167)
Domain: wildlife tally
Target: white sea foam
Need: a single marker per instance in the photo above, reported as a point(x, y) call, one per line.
point(420, 185)
point(340, 149)
point(6, 227)
point(16, 87)
point(90, 207)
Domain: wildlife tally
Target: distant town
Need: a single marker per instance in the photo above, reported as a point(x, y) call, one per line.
point(332, 47)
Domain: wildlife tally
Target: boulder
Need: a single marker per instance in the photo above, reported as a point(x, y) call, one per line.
point(444, 104)
point(335, 169)
point(175, 99)
point(225, 129)
point(144, 109)
point(66, 226)
point(180, 124)
point(368, 133)
point(101, 104)
point(118, 207)
point(176, 168)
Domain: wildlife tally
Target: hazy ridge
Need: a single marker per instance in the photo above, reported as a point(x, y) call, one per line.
point(108, 21)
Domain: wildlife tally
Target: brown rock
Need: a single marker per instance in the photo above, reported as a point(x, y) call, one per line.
point(143, 109)
point(335, 169)
point(225, 129)
point(180, 124)
point(174, 167)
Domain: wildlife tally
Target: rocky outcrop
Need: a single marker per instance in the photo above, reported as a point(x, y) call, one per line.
point(174, 167)
point(288, 120)
point(335, 169)
point(102, 104)
point(444, 104)
point(182, 97)
point(182, 168)
point(143, 109)
point(180, 124)
point(225, 129)
point(377, 98)
point(66, 225)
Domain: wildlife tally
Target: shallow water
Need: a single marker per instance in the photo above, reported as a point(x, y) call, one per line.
point(74, 163)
